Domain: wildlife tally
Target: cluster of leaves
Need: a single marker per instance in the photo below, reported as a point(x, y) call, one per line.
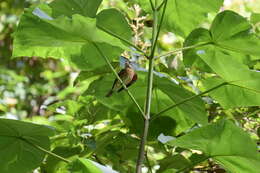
point(225, 56)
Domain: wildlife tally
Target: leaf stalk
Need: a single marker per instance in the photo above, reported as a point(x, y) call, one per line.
point(46, 151)
point(188, 99)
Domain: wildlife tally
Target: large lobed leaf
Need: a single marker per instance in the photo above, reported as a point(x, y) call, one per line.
point(229, 31)
point(222, 142)
point(227, 43)
point(244, 85)
point(182, 16)
point(55, 31)
point(17, 155)
point(193, 109)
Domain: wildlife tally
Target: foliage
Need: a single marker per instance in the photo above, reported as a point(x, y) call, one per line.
point(200, 90)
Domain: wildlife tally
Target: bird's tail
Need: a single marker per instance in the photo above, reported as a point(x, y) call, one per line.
point(109, 93)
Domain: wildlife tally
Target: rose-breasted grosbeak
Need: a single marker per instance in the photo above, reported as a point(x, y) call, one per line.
point(127, 75)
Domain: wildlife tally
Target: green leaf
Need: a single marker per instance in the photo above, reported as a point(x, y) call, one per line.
point(245, 83)
point(198, 36)
point(40, 34)
point(193, 109)
point(179, 17)
point(86, 74)
point(255, 18)
point(230, 96)
point(84, 166)
point(60, 31)
point(69, 7)
point(172, 122)
point(54, 165)
point(229, 31)
point(222, 142)
point(174, 162)
point(90, 58)
point(114, 21)
point(225, 54)
point(17, 155)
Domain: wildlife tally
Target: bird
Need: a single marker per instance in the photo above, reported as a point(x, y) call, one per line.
point(127, 75)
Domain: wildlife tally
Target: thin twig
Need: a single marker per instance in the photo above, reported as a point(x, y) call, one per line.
point(115, 73)
point(182, 49)
point(188, 99)
point(152, 6)
point(159, 29)
point(45, 151)
point(160, 6)
point(142, 147)
point(122, 39)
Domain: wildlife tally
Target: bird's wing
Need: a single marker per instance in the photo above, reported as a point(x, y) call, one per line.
point(130, 83)
point(116, 82)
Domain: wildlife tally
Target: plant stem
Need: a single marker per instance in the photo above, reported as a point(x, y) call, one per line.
point(148, 163)
point(122, 39)
point(141, 153)
point(188, 99)
point(160, 6)
point(146, 119)
point(182, 49)
point(115, 73)
point(156, 32)
point(152, 6)
point(46, 151)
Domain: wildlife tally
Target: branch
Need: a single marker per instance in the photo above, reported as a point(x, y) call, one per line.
point(188, 99)
point(115, 73)
point(159, 29)
point(122, 39)
point(182, 49)
point(156, 32)
point(45, 151)
point(152, 6)
point(160, 6)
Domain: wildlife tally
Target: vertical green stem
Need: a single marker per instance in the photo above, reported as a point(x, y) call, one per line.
point(156, 31)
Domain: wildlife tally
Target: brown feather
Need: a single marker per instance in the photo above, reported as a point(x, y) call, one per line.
point(132, 77)
point(120, 74)
point(130, 83)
